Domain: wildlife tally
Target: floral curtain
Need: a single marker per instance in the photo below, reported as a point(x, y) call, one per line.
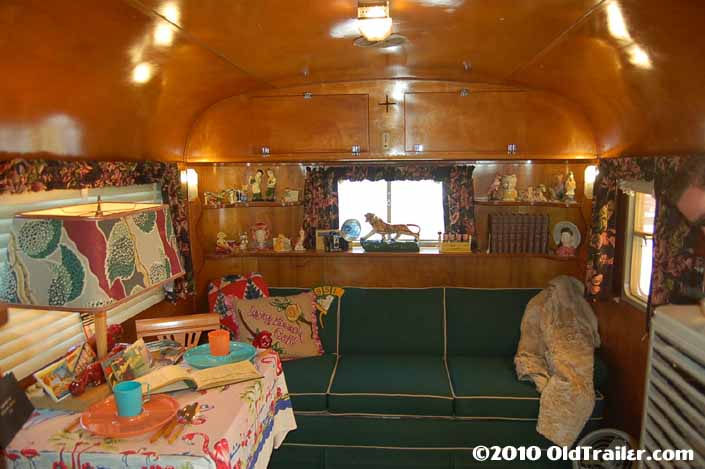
point(21, 175)
point(321, 193)
point(673, 238)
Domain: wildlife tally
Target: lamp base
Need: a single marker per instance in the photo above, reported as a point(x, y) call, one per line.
point(101, 333)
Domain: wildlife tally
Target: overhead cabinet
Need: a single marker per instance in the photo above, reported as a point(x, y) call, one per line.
point(488, 122)
point(296, 127)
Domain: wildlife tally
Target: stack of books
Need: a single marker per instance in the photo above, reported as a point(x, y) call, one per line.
point(518, 233)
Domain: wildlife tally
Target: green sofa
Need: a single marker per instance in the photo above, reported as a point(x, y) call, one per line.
point(414, 378)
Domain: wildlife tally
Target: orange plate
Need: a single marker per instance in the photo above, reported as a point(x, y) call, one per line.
point(102, 419)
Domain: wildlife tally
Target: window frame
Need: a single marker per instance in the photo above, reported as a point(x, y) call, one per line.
point(632, 264)
point(388, 216)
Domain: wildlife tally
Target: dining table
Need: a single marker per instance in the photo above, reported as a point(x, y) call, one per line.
point(237, 426)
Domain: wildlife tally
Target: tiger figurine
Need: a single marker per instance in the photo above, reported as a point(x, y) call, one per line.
point(386, 230)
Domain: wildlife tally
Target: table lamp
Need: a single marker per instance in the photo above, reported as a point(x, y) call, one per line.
point(89, 258)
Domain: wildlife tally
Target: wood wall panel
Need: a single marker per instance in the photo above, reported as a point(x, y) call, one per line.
point(288, 125)
point(488, 121)
point(543, 125)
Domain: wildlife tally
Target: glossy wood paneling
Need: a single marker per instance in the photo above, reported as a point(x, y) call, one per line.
point(655, 108)
point(67, 86)
point(488, 121)
point(482, 271)
point(240, 127)
point(452, 127)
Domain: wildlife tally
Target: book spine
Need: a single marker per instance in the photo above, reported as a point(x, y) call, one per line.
point(544, 235)
point(493, 233)
point(530, 233)
point(513, 233)
point(524, 233)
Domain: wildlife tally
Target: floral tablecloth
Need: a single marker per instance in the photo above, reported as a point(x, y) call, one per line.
point(238, 426)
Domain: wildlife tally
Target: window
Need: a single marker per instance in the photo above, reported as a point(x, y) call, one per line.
point(639, 247)
point(408, 202)
point(34, 338)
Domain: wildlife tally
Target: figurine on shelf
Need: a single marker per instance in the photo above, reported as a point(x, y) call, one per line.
point(282, 243)
point(271, 185)
point(243, 242)
point(256, 186)
point(509, 191)
point(222, 246)
point(570, 186)
point(300, 242)
point(541, 193)
point(493, 191)
point(557, 189)
point(529, 195)
point(243, 193)
point(260, 234)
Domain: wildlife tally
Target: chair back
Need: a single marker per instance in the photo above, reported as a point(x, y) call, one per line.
point(185, 330)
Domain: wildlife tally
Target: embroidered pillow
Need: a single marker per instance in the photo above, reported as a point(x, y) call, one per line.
point(287, 324)
point(225, 291)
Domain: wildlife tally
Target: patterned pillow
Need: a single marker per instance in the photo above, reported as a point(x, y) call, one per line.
point(225, 291)
point(287, 324)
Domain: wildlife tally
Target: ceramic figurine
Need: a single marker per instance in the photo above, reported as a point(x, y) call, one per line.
point(243, 193)
point(557, 189)
point(243, 242)
point(570, 186)
point(541, 193)
point(260, 235)
point(222, 246)
point(271, 185)
point(256, 185)
point(300, 242)
point(509, 191)
point(493, 191)
point(282, 243)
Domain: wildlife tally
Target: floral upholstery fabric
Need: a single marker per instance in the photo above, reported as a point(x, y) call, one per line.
point(21, 175)
point(224, 292)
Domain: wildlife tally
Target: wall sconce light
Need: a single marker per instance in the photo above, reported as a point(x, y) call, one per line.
point(373, 20)
point(190, 178)
point(591, 173)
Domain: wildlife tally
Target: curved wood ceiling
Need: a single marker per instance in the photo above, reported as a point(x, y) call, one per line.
point(67, 66)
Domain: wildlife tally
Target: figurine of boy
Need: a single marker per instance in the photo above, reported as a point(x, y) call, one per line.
point(256, 185)
point(271, 185)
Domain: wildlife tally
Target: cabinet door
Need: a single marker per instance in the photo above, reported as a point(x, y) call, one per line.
point(486, 122)
point(449, 122)
point(237, 129)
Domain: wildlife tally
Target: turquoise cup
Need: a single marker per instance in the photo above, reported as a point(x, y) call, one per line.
point(128, 397)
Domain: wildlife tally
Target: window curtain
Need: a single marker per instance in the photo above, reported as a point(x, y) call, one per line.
point(21, 175)
point(321, 193)
point(674, 240)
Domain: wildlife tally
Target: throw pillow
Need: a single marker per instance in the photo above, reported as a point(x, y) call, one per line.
point(286, 324)
point(225, 291)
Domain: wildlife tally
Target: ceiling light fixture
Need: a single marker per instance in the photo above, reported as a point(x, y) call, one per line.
point(142, 73)
point(373, 19)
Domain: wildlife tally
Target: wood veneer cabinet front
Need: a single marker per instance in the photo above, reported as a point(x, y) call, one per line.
point(486, 122)
point(292, 126)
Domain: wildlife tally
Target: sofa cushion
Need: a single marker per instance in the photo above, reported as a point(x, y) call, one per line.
point(327, 325)
point(308, 380)
point(287, 324)
point(485, 323)
point(488, 387)
point(395, 320)
point(224, 292)
point(391, 384)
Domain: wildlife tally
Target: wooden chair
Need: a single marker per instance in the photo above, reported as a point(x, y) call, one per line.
point(185, 330)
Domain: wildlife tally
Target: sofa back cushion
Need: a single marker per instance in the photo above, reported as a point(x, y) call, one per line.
point(327, 324)
point(392, 320)
point(485, 323)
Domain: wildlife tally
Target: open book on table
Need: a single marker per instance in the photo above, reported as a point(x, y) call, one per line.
point(175, 378)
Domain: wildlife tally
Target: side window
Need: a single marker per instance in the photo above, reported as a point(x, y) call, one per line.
point(639, 247)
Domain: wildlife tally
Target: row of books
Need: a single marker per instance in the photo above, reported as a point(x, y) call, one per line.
point(519, 233)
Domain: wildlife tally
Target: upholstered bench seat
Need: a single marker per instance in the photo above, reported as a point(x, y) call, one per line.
point(487, 387)
point(308, 380)
point(391, 385)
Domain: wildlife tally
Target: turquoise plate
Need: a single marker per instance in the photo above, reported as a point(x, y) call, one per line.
point(200, 357)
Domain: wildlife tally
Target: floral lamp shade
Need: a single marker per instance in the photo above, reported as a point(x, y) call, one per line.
point(77, 259)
